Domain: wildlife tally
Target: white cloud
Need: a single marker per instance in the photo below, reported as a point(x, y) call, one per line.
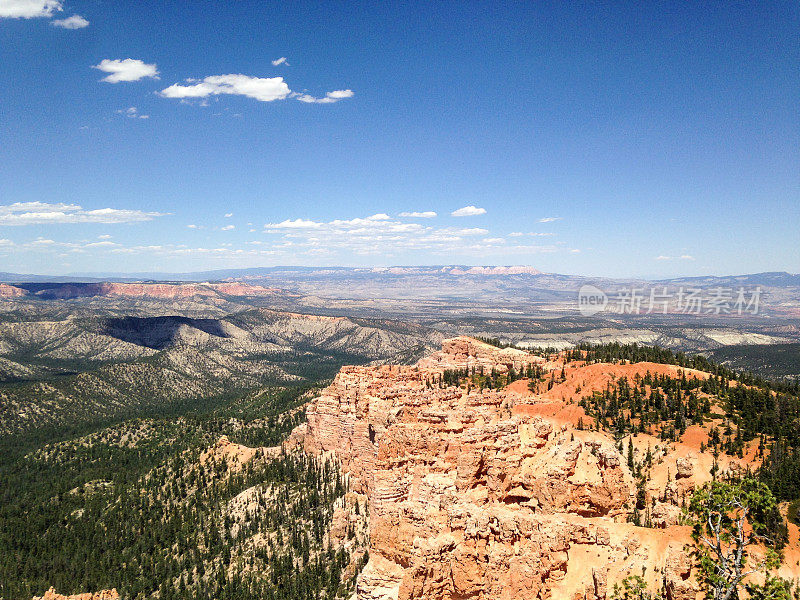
point(296, 224)
point(28, 9)
point(228, 215)
point(73, 22)
point(280, 61)
point(380, 235)
point(228, 228)
point(428, 214)
point(132, 113)
point(329, 98)
point(105, 236)
point(531, 233)
point(102, 244)
point(129, 69)
point(549, 219)
point(377, 235)
point(468, 211)
point(40, 213)
point(681, 257)
point(262, 89)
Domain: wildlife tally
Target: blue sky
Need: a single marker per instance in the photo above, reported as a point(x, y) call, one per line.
point(642, 139)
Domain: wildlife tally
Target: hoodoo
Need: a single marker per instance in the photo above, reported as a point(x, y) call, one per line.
point(480, 492)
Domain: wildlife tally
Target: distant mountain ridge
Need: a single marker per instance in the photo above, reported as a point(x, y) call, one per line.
point(770, 278)
point(66, 290)
point(71, 370)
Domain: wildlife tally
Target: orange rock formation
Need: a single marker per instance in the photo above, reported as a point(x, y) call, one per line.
point(495, 494)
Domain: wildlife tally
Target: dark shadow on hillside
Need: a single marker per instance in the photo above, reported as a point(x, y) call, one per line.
point(157, 332)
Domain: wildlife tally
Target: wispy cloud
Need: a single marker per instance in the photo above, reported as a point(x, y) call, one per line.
point(329, 98)
point(103, 244)
point(681, 257)
point(531, 233)
point(280, 61)
point(42, 213)
point(471, 231)
point(28, 9)
point(549, 219)
point(128, 69)
point(228, 228)
point(382, 235)
point(132, 113)
point(377, 235)
point(73, 22)
point(228, 215)
point(468, 211)
point(428, 214)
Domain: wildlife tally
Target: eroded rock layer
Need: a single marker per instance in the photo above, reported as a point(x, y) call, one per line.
point(51, 594)
point(496, 494)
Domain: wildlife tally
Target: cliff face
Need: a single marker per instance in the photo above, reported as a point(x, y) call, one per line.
point(495, 494)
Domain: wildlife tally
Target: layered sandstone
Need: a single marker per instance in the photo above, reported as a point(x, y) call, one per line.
point(496, 494)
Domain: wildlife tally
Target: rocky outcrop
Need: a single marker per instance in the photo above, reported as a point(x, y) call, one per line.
point(466, 353)
point(51, 594)
point(10, 291)
point(235, 455)
point(473, 494)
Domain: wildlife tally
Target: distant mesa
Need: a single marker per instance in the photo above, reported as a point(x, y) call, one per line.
point(457, 270)
point(518, 270)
